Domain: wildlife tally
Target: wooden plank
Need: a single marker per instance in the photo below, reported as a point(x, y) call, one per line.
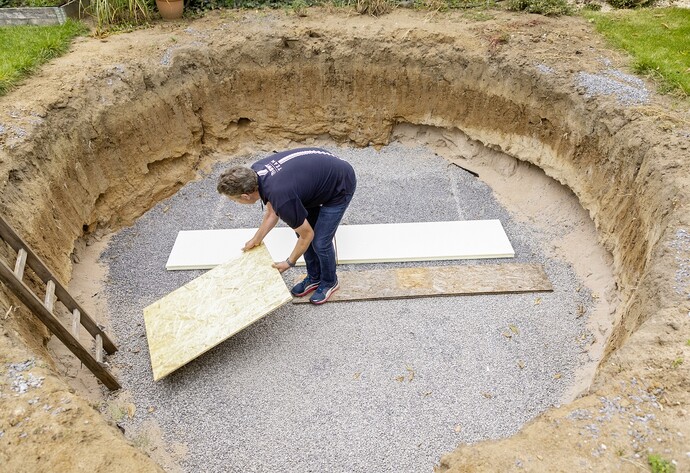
point(210, 309)
point(34, 303)
point(49, 300)
point(419, 241)
point(76, 323)
point(8, 234)
point(456, 280)
point(99, 349)
point(20, 264)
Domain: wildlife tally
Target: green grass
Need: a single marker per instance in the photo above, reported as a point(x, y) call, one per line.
point(31, 3)
point(659, 464)
point(119, 15)
point(657, 39)
point(35, 3)
point(43, 3)
point(24, 48)
point(541, 7)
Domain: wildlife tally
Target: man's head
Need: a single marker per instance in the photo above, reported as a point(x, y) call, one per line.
point(239, 184)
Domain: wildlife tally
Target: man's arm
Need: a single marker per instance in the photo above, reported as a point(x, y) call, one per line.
point(269, 221)
point(306, 235)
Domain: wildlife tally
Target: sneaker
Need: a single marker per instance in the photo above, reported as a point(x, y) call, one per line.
point(322, 294)
point(305, 287)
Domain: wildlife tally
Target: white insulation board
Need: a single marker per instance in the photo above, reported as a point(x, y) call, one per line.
point(377, 243)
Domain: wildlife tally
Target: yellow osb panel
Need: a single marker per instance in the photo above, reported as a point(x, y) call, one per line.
point(210, 309)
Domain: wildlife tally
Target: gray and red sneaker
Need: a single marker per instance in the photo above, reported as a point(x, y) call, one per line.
point(323, 293)
point(305, 287)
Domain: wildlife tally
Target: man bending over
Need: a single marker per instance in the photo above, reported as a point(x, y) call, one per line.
point(309, 189)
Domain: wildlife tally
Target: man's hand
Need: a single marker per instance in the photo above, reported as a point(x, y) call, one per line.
point(251, 244)
point(269, 221)
point(282, 266)
point(306, 235)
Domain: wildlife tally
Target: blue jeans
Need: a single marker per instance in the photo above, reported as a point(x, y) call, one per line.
point(320, 256)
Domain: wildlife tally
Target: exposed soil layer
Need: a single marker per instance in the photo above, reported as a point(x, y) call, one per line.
point(102, 134)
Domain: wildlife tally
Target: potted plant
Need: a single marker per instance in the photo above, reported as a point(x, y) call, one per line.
point(170, 9)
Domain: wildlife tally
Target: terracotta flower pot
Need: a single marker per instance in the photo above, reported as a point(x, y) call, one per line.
point(170, 9)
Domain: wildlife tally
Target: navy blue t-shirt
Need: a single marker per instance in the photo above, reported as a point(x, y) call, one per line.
point(296, 180)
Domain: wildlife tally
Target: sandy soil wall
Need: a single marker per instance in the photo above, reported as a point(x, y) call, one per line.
point(127, 130)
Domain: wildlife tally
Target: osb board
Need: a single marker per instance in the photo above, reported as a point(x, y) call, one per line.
point(401, 283)
point(421, 241)
point(210, 309)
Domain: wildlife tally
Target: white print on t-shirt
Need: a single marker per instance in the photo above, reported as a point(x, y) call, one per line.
point(274, 166)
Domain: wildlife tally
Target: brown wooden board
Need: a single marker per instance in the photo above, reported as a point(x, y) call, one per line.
point(455, 280)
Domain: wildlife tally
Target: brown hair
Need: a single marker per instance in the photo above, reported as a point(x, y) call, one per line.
point(238, 180)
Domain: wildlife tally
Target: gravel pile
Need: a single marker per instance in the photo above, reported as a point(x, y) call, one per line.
point(20, 382)
point(629, 90)
point(681, 244)
point(350, 387)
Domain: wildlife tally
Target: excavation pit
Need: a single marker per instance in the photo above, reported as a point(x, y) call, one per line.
point(142, 125)
point(378, 385)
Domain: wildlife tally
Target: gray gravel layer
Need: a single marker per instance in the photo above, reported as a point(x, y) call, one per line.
point(350, 387)
point(681, 245)
point(629, 90)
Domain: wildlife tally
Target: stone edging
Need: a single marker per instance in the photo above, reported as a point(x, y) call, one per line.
point(41, 15)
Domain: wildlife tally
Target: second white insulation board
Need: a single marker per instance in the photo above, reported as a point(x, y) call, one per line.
point(377, 243)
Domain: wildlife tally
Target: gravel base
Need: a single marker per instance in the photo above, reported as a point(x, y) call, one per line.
point(349, 387)
point(629, 90)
